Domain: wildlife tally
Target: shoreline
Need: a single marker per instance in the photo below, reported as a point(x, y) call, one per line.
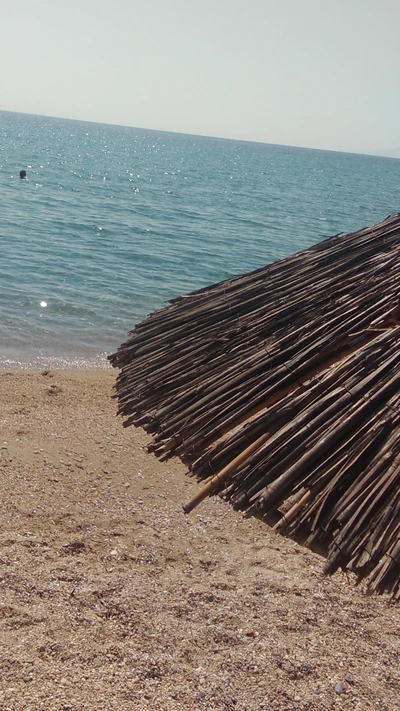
point(112, 598)
point(41, 362)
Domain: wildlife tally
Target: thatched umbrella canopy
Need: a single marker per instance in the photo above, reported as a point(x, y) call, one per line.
point(281, 388)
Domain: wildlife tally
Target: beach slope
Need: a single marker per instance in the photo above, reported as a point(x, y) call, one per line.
point(112, 598)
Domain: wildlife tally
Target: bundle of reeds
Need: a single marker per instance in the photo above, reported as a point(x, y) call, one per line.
point(281, 388)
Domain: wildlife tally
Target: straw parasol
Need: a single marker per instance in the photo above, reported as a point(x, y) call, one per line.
point(280, 390)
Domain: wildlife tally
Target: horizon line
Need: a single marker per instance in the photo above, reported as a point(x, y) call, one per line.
point(205, 135)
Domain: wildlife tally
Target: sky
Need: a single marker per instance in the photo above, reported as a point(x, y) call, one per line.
point(314, 73)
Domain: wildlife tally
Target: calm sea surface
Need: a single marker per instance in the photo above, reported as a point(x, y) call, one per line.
point(112, 222)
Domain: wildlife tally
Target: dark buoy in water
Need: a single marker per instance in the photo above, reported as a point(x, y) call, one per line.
point(22, 174)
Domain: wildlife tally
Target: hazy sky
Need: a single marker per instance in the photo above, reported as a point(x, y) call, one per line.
point(316, 73)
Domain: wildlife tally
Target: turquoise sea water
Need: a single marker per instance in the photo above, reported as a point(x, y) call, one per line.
point(113, 221)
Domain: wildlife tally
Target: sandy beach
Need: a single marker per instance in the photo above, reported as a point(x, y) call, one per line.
point(112, 598)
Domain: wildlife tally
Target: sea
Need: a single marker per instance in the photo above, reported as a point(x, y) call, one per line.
point(111, 222)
